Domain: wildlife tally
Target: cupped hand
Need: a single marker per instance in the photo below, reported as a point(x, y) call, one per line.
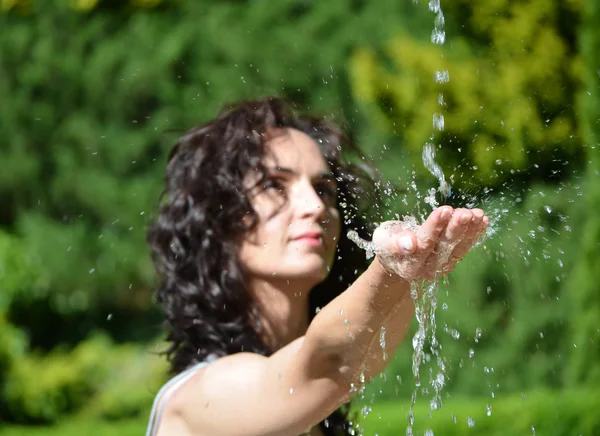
point(434, 248)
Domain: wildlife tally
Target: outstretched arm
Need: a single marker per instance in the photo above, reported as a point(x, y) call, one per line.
point(349, 328)
point(300, 385)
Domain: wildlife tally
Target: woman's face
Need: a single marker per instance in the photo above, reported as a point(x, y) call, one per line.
point(298, 220)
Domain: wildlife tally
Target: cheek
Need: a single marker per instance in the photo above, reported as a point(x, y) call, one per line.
point(269, 231)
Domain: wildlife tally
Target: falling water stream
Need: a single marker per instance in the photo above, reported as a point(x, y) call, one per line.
point(534, 224)
point(424, 293)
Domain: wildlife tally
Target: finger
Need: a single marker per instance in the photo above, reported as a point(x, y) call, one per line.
point(475, 228)
point(429, 232)
point(457, 226)
point(450, 237)
point(393, 238)
point(406, 243)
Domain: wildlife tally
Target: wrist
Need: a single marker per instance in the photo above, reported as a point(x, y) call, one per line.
point(390, 278)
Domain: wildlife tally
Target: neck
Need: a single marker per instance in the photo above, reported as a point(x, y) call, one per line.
point(283, 309)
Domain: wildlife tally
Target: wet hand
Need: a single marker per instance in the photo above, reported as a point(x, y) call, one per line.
point(434, 248)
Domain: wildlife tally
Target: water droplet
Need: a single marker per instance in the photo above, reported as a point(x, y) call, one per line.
point(452, 332)
point(438, 122)
point(365, 411)
point(439, 381)
point(470, 422)
point(382, 342)
point(442, 76)
point(488, 410)
point(434, 6)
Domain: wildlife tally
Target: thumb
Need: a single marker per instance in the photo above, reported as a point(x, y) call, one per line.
point(391, 239)
point(406, 243)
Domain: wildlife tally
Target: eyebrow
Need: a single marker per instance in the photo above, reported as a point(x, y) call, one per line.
point(327, 175)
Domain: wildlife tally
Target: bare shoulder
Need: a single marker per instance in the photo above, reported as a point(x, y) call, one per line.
point(248, 393)
point(240, 374)
point(195, 392)
point(210, 381)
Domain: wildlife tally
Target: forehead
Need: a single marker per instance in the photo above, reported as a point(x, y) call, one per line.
point(296, 150)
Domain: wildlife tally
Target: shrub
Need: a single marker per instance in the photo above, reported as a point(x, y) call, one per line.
point(96, 379)
point(549, 413)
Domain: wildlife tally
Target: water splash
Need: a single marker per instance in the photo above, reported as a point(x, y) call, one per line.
point(424, 295)
point(361, 243)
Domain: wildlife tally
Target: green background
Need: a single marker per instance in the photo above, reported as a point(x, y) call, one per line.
point(94, 92)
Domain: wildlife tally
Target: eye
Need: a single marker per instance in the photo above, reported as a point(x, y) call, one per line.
point(274, 184)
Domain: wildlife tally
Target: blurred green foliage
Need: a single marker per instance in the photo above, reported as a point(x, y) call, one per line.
point(584, 283)
point(563, 413)
point(96, 379)
point(82, 6)
point(508, 106)
point(546, 412)
point(77, 427)
point(94, 92)
point(512, 293)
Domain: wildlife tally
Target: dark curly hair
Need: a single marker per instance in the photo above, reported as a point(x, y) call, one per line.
point(195, 238)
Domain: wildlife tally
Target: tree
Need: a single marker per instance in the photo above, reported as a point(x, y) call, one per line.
point(513, 68)
point(582, 287)
point(92, 99)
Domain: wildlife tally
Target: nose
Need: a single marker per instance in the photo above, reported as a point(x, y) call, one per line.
point(308, 203)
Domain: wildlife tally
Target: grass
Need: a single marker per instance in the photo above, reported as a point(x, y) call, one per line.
point(561, 413)
point(80, 427)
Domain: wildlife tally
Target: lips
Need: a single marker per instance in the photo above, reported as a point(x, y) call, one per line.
point(313, 238)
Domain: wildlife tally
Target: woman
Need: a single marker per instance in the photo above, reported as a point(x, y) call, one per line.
point(249, 244)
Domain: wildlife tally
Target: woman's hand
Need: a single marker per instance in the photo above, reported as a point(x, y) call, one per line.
point(432, 249)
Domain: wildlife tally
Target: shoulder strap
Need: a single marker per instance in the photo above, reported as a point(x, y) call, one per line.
point(165, 393)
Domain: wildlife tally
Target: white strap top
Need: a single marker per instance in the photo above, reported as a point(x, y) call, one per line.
point(167, 391)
